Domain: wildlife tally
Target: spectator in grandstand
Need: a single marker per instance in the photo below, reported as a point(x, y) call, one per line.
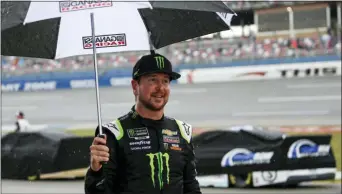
point(204, 51)
point(21, 124)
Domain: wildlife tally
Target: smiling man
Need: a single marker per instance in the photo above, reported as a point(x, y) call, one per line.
point(146, 152)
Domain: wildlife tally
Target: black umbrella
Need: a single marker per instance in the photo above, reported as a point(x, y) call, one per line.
point(54, 30)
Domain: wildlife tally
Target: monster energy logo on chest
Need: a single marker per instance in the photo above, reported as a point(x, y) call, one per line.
point(160, 159)
point(160, 62)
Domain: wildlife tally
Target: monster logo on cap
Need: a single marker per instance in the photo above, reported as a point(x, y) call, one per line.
point(160, 62)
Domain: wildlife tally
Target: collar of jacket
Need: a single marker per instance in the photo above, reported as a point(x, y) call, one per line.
point(146, 121)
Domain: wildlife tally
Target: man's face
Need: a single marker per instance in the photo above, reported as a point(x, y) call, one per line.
point(153, 90)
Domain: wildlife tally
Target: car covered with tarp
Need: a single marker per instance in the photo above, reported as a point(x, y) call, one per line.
point(247, 156)
point(44, 154)
point(254, 157)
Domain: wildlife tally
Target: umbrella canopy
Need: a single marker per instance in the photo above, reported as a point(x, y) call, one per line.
point(54, 30)
point(60, 29)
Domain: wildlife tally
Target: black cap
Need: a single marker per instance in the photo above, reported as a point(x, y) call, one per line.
point(154, 63)
point(19, 113)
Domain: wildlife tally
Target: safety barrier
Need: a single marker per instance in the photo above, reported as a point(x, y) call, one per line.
point(67, 83)
point(217, 73)
point(260, 72)
point(61, 84)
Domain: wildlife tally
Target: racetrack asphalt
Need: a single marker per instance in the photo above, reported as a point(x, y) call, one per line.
point(309, 101)
point(303, 101)
point(71, 187)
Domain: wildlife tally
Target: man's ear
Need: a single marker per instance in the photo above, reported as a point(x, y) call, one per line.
point(134, 84)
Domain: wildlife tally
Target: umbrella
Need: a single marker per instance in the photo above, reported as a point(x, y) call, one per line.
point(54, 30)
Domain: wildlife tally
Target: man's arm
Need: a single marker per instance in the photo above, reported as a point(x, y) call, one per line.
point(103, 181)
point(191, 185)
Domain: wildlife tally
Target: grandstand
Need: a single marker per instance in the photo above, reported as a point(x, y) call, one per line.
point(319, 33)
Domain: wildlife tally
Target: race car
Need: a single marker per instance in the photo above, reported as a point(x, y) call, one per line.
point(46, 154)
point(247, 157)
point(254, 157)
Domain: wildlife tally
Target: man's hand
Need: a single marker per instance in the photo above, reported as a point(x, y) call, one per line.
point(99, 153)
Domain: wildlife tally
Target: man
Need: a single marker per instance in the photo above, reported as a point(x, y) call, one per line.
point(21, 124)
point(145, 152)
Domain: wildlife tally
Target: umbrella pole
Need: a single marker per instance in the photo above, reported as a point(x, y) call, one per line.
point(151, 44)
point(96, 76)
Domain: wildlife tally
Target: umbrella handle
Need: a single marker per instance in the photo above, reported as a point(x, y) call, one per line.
point(102, 136)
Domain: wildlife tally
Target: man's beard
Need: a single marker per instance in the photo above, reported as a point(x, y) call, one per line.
point(149, 105)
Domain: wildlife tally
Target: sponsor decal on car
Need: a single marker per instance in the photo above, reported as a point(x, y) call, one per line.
point(307, 148)
point(269, 176)
point(241, 156)
point(67, 6)
point(104, 41)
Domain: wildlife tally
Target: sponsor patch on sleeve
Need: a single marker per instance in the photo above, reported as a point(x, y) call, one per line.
point(116, 128)
point(185, 129)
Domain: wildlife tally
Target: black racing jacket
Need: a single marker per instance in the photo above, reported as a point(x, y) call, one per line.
point(146, 157)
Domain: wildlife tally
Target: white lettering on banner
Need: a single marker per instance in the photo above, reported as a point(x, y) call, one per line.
point(124, 81)
point(10, 87)
point(35, 86)
point(261, 72)
point(86, 83)
point(317, 71)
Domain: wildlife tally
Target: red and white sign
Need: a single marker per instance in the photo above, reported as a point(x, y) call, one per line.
point(260, 72)
point(67, 6)
point(103, 41)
